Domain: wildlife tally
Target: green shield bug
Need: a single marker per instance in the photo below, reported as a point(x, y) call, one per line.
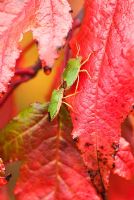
point(72, 70)
point(55, 102)
point(70, 74)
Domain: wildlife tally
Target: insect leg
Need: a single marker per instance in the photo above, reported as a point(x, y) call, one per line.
point(70, 95)
point(67, 105)
point(84, 70)
point(77, 84)
point(59, 86)
point(86, 59)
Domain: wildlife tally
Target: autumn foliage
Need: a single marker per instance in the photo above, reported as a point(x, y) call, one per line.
point(86, 152)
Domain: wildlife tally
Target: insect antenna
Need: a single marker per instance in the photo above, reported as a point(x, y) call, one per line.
point(86, 60)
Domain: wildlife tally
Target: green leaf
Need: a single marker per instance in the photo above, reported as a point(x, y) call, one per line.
point(12, 137)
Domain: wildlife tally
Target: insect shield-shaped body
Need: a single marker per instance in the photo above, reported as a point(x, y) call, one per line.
point(71, 72)
point(55, 103)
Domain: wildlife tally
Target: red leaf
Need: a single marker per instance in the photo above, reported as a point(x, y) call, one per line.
point(121, 189)
point(3, 193)
point(50, 22)
point(3, 180)
point(124, 160)
point(128, 129)
point(104, 101)
point(52, 167)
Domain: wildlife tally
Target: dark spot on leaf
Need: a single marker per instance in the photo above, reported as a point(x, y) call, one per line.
point(132, 108)
point(63, 145)
point(115, 146)
point(104, 161)
point(88, 144)
point(100, 159)
point(8, 177)
point(104, 194)
point(93, 173)
point(105, 158)
point(101, 147)
point(100, 154)
point(76, 139)
point(113, 165)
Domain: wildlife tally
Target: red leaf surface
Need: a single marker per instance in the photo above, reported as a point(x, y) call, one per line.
point(121, 189)
point(104, 101)
point(3, 193)
point(128, 130)
point(49, 21)
point(124, 160)
point(52, 167)
point(3, 181)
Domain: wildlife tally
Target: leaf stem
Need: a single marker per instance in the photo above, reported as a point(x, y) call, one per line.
point(22, 76)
